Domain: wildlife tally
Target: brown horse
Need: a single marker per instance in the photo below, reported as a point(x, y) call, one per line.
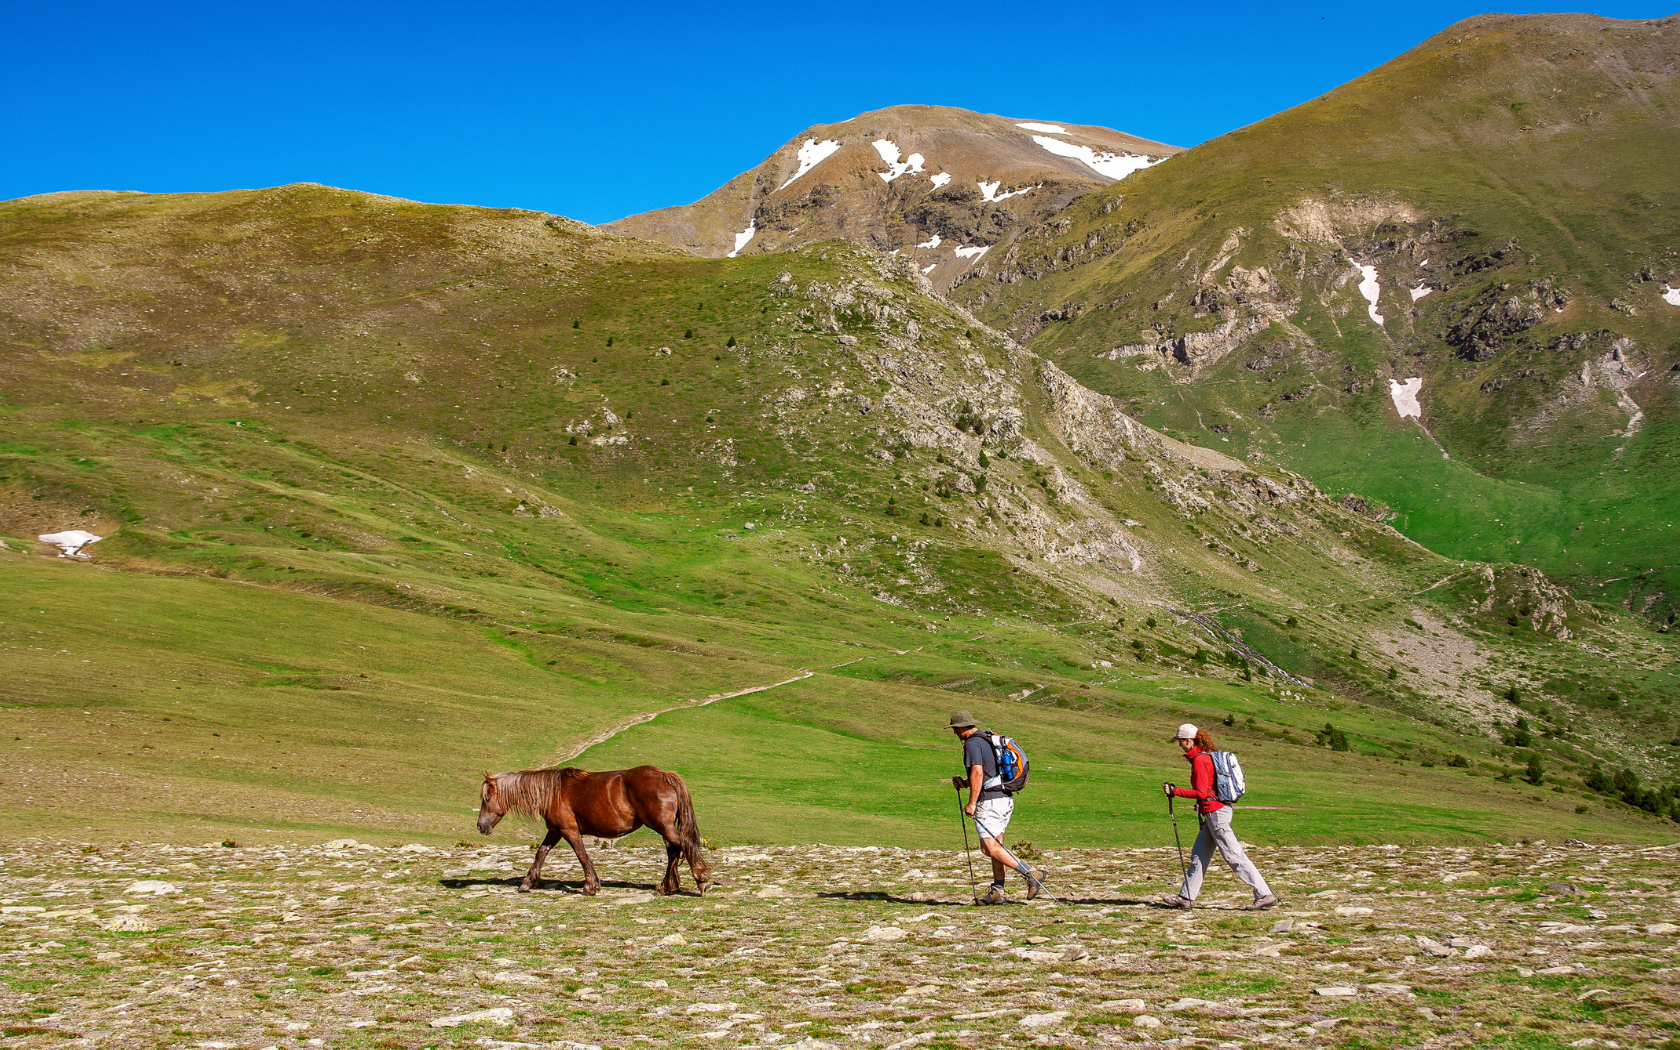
point(574, 803)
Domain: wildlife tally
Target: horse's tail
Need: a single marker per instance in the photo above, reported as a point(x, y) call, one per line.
point(688, 831)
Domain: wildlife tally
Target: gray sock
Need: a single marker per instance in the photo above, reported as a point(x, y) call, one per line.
point(1023, 867)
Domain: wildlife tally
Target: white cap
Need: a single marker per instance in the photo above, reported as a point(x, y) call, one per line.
point(1186, 732)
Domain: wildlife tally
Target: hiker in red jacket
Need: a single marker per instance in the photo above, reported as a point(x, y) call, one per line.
point(1215, 827)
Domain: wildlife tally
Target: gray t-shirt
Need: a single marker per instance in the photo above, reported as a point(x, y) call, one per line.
point(977, 751)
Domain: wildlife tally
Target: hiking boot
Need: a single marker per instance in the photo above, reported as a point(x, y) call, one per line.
point(992, 896)
point(1035, 881)
point(1173, 900)
point(1261, 903)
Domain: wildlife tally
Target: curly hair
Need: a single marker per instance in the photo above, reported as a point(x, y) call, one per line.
point(1204, 741)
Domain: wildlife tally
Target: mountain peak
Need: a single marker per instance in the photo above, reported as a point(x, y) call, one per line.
point(925, 182)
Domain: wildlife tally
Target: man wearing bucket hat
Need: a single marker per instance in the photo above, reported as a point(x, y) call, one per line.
point(1215, 827)
point(991, 807)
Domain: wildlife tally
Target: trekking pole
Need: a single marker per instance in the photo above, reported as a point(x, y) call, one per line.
point(1183, 868)
point(973, 890)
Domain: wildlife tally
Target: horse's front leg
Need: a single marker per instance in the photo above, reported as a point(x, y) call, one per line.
point(591, 881)
point(533, 878)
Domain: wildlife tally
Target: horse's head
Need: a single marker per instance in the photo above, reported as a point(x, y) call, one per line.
point(491, 806)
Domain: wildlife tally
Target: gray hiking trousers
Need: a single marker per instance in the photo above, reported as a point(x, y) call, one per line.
point(1216, 832)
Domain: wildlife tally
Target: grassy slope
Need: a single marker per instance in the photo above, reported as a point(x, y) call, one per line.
point(318, 462)
point(1550, 132)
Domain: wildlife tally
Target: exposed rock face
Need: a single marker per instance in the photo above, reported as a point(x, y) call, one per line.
point(926, 182)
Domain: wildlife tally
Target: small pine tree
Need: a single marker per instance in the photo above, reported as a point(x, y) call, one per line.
point(1393, 673)
point(577, 323)
point(609, 340)
point(1334, 738)
point(731, 341)
point(984, 462)
point(688, 333)
point(1536, 770)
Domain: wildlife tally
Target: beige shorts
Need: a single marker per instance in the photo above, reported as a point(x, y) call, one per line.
point(991, 817)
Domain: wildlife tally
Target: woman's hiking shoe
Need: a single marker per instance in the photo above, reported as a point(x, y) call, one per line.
point(1261, 904)
point(992, 896)
point(1173, 900)
point(1035, 881)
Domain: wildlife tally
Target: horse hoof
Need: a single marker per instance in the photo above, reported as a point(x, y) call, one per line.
point(590, 891)
point(524, 887)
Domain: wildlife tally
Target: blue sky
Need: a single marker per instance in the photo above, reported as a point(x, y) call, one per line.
point(602, 110)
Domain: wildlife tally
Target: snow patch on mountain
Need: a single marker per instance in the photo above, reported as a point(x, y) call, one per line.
point(911, 165)
point(70, 543)
point(928, 268)
point(1671, 295)
point(932, 242)
point(1113, 165)
point(1370, 288)
point(1405, 396)
point(974, 252)
point(1420, 291)
point(810, 155)
point(1033, 125)
point(744, 236)
point(989, 191)
point(941, 179)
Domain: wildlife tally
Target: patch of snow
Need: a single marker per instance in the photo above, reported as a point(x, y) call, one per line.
point(70, 543)
point(1671, 295)
point(941, 179)
point(1405, 397)
point(1033, 125)
point(1420, 291)
point(989, 191)
point(1370, 288)
point(929, 268)
point(932, 243)
point(973, 253)
point(810, 155)
point(1114, 165)
point(911, 165)
point(743, 237)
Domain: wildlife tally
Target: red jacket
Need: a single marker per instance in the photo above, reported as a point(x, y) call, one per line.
point(1202, 778)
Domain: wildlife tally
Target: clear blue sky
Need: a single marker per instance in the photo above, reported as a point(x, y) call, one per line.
point(604, 109)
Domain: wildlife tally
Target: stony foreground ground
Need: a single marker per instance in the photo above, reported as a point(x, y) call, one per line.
point(358, 946)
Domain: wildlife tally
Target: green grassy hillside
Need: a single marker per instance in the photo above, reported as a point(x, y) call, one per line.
point(397, 493)
point(1515, 169)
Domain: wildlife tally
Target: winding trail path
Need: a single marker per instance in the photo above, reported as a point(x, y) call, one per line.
point(618, 727)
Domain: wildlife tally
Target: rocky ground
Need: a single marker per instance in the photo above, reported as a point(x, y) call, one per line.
point(353, 945)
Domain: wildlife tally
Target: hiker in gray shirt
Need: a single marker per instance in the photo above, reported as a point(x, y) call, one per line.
point(990, 807)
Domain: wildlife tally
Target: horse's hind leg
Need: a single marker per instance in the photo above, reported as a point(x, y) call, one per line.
point(591, 881)
point(673, 857)
point(533, 878)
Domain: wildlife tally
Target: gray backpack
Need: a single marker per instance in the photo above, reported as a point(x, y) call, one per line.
point(1228, 783)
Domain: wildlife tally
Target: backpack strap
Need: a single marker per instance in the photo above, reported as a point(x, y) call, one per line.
point(995, 781)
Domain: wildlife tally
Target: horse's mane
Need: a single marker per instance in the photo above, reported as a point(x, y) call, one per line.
point(529, 791)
